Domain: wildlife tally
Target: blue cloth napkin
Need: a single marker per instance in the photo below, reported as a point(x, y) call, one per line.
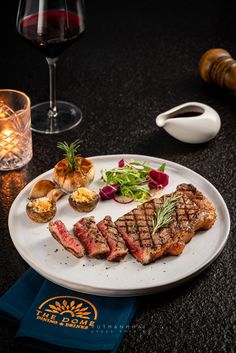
point(17, 300)
point(58, 320)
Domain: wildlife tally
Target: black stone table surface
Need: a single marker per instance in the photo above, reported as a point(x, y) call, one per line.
point(136, 60)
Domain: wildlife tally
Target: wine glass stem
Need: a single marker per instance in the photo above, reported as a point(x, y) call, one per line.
point(52, 113)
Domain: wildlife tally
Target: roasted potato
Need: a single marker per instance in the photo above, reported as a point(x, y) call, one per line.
point(45, 188)
point(41, 188)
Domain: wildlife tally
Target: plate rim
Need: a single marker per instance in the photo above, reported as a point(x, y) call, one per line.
point(105, 291)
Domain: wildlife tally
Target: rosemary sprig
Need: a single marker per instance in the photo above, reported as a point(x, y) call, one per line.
point(163, 216)
point(70, 151)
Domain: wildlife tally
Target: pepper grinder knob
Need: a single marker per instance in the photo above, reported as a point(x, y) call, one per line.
point(218, 66)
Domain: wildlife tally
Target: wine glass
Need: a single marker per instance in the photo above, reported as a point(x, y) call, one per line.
point(51, 26)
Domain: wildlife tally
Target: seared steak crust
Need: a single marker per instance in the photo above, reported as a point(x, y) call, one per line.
point(193, 212)
point(67, 240)
point(93, 241)
point(118, 249)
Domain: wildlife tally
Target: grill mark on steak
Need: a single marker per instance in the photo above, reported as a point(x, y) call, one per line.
point(90, 236)
point(145, 239)
point(193, 212)
point(66, 239)
point(118, 249)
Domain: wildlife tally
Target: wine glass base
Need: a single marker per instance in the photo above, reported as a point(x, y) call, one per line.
point(68, 116)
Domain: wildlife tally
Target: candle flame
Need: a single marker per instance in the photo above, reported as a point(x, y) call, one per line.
point(7, 132)
point(9, 141)
point(8, 135)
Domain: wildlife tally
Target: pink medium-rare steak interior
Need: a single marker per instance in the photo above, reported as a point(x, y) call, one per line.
point(118, 248)
point(66, 239)
point(93, 241)
point(134, 230)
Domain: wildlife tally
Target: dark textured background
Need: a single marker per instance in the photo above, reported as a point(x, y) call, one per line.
point(136, 60)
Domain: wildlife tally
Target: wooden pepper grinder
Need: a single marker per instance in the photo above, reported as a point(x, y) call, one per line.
point(218, 66)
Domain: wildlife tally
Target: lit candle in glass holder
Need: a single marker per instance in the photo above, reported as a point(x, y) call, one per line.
point(8, 142)
point(15, 132)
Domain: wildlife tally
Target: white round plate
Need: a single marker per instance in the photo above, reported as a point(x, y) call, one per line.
point(128, 278)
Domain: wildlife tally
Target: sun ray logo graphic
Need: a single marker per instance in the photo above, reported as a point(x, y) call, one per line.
point(73, 306)
point(70, 308)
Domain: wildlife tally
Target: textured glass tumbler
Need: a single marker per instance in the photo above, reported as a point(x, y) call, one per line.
point(15, 130)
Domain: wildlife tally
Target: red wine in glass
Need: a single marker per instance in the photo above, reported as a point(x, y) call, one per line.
point(50, 27)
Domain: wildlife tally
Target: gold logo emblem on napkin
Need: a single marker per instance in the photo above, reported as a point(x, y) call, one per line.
point(68, 311)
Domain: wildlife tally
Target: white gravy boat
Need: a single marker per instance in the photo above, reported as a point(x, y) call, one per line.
point(198, 128)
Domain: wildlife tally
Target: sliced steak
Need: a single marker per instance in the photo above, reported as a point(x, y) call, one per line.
point(118, 249)
point(93, 241)
point(66, 239)
point(193, 212)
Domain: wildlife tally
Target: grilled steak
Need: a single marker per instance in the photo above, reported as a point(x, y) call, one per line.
point(118, 249)
point(67, 240)
point(193, 212)
point(93, 241)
